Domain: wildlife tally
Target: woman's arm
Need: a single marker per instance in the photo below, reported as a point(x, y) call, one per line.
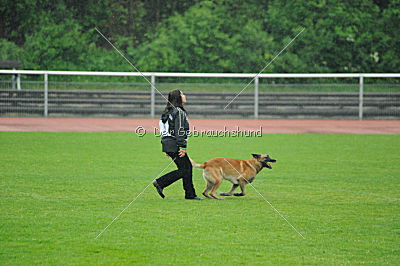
point(179, 131)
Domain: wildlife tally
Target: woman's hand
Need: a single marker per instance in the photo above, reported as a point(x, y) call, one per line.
point(182, 153)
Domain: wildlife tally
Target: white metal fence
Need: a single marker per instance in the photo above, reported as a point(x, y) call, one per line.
point(248, 100)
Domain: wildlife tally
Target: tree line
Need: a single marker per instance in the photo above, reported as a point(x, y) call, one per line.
point(203, 35)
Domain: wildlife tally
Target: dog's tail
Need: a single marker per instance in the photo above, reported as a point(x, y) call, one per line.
point(196, 165)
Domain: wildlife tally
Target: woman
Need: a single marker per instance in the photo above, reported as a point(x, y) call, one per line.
point(174, 129)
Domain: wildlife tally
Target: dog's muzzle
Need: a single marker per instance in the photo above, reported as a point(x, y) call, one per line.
point(266, 163)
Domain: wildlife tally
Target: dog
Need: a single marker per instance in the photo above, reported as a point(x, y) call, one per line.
point(239, 172)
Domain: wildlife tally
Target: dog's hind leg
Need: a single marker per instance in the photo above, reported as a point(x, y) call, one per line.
point(209, 185)
point(207, 189)
point(215, 187)
point(230, 193)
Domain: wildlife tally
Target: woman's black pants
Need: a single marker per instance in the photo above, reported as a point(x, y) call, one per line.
point(184, 171)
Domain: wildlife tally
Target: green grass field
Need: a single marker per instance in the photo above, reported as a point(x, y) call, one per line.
point(59, 190)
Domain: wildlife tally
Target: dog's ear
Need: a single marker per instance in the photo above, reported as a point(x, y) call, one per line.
point(257, 156)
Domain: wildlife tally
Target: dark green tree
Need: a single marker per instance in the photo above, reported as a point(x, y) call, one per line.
point(209, 37)
point(340, 36)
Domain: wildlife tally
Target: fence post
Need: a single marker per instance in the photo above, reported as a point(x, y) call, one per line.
point(361, 97)
point(13, 78)
point(19, 82)
point(46, 94)
point(256, 98)
point(152, 96)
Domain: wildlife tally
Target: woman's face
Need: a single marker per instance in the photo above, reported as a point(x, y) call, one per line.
point(183, 96)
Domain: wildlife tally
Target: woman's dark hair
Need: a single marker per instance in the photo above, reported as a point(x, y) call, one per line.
point(174, 100)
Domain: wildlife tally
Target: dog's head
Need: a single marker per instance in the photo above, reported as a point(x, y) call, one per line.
point(264, 159)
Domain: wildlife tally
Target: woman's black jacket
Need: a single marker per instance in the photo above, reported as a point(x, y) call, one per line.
point(174, 130)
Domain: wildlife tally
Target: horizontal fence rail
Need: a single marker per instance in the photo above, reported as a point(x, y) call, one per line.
point(360, 104)
point(202, 75)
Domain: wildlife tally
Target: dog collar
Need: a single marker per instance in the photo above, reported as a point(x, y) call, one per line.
point(254, 168)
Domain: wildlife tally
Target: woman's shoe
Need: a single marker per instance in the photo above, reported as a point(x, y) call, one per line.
point(159, 189)
point(194, 198)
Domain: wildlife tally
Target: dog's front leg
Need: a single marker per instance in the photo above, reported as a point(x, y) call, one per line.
point(230, 193)
point(242, 184)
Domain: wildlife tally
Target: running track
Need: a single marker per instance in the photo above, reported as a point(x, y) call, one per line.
point(267, 126)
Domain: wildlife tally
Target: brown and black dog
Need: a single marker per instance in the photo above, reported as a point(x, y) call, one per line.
point(239, 172)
